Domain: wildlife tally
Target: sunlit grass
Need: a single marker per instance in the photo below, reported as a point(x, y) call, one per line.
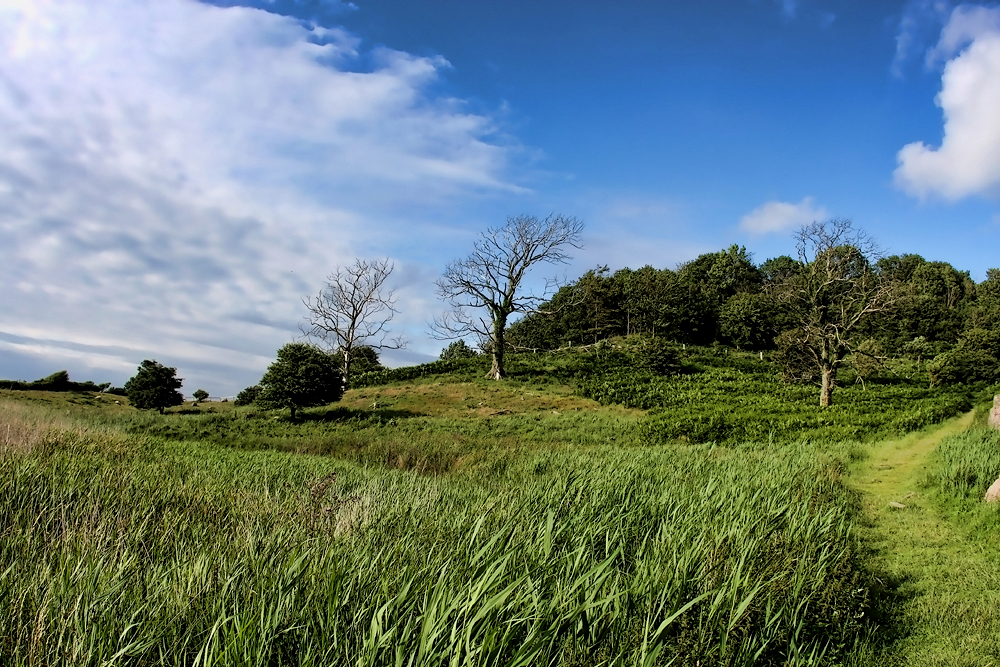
point(129, 548)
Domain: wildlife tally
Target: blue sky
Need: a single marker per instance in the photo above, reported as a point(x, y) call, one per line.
point(176, 175)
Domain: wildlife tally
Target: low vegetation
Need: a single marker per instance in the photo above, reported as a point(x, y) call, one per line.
point(435, 517)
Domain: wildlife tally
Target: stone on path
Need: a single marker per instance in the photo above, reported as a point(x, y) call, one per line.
point(995, 412)
point(993, 493)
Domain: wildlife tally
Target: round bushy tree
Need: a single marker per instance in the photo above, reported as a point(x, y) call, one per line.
point(303, 376)
point(200, 395)
point(458, 350)
point(154, 387)
point(248, 395)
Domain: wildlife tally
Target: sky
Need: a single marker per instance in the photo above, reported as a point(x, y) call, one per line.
point(176, 176)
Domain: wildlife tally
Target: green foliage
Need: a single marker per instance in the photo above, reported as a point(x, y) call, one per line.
point(868, 360)
point(986, 312)
point(200, 395)
point(731, 406)
point(154, 387)
point(658, 356)
point(301, 377)
point(975, 359)
point(470, 367)
point(750, 321)
point(248, 396)
point(58, 381)
point(458, 349)
point(967, 464)
point(365, 358)
point(181, 552)
point(934, 301)
point(963, 365)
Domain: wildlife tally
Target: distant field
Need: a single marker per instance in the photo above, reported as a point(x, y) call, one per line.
point(441, 520)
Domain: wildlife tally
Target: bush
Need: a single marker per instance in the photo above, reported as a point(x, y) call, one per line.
point(963, 366)
point(659, 356)
point(458, 350)
point(248, 396)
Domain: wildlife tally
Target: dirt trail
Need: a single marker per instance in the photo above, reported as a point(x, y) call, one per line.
point(944, 577)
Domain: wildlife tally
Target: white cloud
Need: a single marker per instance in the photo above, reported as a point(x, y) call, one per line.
point(777, 216)
point(174, 176)
point(968, 159)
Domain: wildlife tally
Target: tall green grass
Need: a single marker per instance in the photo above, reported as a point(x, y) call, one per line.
point(122, 548)
point(967, 464)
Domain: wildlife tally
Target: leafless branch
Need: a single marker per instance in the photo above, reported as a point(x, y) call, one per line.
point(485, 288)
point(354, 309)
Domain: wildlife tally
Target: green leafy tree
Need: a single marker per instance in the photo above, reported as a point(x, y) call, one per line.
point(986, 314)
point(200, 395)
point(749, 321)
point(778, 269)
point(303, 376)
point(366, 358)
point(458, 349)
point(963, 365)
point(832, 296)
point(154, 387)
point(58, 381)
point(248, 396)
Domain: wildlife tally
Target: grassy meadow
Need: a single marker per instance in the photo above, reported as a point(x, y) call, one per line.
point(436, 518)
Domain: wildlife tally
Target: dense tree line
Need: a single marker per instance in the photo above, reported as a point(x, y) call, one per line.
point(928, 309)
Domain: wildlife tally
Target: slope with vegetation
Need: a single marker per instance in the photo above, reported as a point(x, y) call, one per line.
point(436, 517)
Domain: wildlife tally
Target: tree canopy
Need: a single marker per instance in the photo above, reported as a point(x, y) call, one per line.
point(154, 387)
point(302, 376)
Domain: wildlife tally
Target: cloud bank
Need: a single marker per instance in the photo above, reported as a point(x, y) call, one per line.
point(968, 160)
point(175, 176)
point(778, 216)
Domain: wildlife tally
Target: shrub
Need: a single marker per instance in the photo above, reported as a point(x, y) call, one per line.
point(459, 349)
point(200, 395)
point(248, 395)
point(659, 356)
point(963, 366)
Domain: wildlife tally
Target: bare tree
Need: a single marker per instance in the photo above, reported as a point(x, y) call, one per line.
point(834, 290)
point(485, 289)
point(353, 310)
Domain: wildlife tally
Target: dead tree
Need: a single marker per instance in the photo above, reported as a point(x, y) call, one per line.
point(833, 292)
point(486, 288)
point(353, 310)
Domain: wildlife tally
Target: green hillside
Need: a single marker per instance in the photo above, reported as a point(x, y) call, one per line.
point(587, 511)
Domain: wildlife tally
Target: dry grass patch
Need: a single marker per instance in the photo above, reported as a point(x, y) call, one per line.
point(475, 400)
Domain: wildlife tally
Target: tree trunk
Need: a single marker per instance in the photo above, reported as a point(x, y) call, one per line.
point(348, 358)
point(497, 370)
point(826, 388)
point(293, 412)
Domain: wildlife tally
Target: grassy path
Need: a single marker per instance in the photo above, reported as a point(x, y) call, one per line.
point(948, 584)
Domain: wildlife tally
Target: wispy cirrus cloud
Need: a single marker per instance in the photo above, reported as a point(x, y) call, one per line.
point(778, 216)
point(174, 175)
point(968, 160)
point(919, 25)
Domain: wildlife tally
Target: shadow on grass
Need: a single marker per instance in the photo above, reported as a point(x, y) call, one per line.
point(344, 414)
